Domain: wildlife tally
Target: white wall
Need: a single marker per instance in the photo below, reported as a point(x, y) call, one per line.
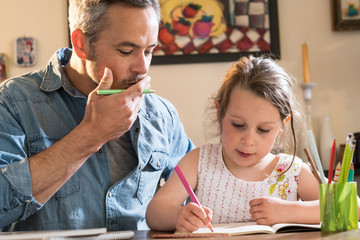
point(45, 20)
point(334, 59)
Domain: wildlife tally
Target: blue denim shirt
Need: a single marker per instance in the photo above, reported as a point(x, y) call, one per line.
point(39, 108)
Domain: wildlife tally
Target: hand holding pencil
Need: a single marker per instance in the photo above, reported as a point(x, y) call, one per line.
point(207, 219)
point(110, 117)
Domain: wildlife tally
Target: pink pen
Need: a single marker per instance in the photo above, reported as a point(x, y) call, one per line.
point(189, 190)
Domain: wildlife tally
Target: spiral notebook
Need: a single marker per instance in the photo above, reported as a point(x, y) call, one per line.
point(78, 234)
point(128, 234)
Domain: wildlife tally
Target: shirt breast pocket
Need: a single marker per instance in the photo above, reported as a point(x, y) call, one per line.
point(73, 184)
point(150, 175)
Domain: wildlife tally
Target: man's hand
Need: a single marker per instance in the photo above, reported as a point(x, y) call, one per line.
point(110, 116)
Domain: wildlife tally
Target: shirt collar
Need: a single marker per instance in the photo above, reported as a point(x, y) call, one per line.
point(55, 77)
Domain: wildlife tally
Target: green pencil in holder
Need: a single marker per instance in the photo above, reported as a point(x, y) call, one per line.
point(338, 206)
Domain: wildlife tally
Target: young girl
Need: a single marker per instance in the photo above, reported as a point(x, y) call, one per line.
point(240, 179)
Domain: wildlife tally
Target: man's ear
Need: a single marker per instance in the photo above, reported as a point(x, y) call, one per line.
point(79, 42)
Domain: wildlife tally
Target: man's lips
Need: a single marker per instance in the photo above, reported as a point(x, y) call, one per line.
point(132, 82)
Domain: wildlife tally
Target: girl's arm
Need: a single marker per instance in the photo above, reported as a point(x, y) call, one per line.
point(165, 211)
point(269, 211)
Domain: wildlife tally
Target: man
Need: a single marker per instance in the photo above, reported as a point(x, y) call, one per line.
point(72, 159)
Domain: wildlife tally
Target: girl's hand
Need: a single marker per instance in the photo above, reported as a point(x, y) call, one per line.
point(192, 217)
point(269, 211)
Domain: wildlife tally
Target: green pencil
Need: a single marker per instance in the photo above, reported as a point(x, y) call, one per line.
point(346, 162)
point(114, 91)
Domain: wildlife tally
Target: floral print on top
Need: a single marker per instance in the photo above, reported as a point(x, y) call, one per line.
point(284, 185)
point(229, 196)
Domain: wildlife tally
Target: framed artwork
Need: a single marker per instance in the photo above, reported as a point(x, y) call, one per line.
point(25, 51)
point(216, 30)
point(345, 15)
point(3, 67)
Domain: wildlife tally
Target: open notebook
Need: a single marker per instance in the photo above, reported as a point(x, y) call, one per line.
point(234, 229)
point(251, 227)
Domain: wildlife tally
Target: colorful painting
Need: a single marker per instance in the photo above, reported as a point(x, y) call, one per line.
point(215, 30)
point(25, 51)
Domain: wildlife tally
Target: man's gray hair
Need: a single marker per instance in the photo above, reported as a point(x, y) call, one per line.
point(89, 15)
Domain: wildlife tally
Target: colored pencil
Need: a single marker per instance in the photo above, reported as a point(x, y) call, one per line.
point(345, 165)
point(332, 161)
point(313, 167)
point(351, 173)
point(189, 190)
point(114, 91)
point(316, 155)
point(337, 172)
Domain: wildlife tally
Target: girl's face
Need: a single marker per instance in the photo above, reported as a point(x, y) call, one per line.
point(249, 129)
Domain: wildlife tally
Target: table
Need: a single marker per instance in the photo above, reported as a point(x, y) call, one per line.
point(312, 235)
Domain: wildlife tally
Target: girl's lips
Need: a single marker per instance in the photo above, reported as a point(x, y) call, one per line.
point(244, 155)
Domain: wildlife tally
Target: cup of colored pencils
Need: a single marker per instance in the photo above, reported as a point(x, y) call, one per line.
point(338, 198)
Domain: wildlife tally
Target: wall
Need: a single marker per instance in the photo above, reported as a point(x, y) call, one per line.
point(44, 20)
point(334, 58)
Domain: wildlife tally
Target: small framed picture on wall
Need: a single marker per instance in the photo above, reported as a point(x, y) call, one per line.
point(25, 48)
point(3, 67)
point(345, 15)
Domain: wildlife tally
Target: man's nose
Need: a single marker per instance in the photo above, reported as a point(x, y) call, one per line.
point(141, 65)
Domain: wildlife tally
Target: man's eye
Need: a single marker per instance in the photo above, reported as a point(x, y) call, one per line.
point(147, 53)
point(125, 52)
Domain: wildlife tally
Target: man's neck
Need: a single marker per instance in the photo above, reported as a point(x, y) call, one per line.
point(75, 71)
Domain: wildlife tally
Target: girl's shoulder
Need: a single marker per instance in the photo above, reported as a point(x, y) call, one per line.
point(284, 163)
point(287, 158)
point(210, 155)
point(211, 151)
point(210, 147)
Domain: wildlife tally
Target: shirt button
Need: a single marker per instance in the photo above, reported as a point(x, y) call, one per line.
point(100, 150)
point(137, 130)
point(140, 167)
point(110, 194)
point(158, 164)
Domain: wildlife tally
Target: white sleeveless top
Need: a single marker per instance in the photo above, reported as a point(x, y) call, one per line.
point(229, 196)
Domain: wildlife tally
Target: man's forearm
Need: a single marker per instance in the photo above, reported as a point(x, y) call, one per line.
point(52, 168)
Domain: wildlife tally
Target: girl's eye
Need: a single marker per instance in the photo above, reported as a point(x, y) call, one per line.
point(264, 130)
point(238, 125)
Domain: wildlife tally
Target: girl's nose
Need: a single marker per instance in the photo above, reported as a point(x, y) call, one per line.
point(248, 139)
